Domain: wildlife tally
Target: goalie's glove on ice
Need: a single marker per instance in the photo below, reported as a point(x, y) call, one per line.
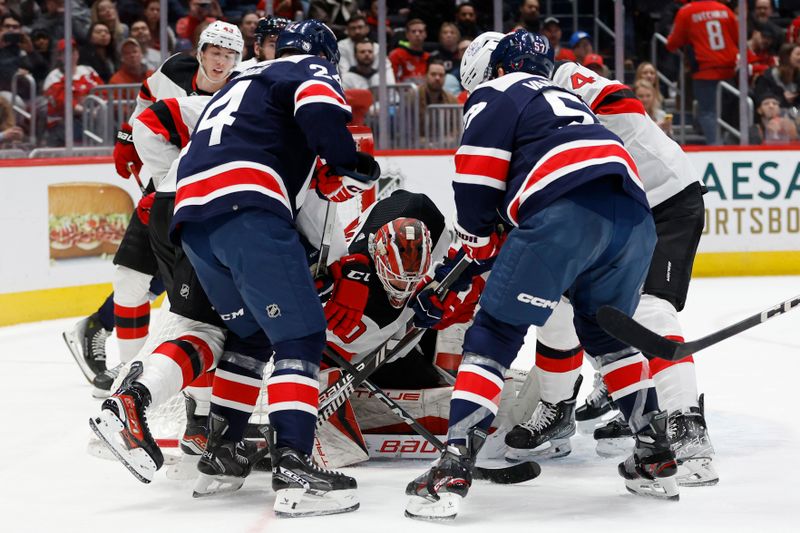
point(338, 184)
point(125, 152)
point(346, 306)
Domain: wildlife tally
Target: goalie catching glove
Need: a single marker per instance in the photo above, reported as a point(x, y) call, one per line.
point(125, 152)
point(345, 308)
point(338, 184)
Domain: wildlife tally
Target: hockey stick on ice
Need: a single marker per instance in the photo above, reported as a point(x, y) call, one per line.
point(626, 329)
point(517, 473)
point(334, 396)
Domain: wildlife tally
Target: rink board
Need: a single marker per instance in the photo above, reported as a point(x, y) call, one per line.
point(752, 221)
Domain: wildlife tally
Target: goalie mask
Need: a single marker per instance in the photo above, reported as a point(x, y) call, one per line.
point(401, 251)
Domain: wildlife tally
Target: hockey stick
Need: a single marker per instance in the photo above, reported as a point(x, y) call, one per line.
point(135, 174)
point(334, 396)
point(327, 236)
point(507, 475)
point(626, 329)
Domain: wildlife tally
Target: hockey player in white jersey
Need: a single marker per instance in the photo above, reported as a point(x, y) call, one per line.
point(219, 50)
point(675, 196)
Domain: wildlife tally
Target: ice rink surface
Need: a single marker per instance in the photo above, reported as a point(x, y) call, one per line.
point(50, 484)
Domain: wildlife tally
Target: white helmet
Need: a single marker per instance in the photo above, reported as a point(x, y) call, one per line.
point(475, 68)
point(224, 35)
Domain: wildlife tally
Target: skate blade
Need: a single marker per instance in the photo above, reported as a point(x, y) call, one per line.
point(184, 469)
point(587, 427)
point(100, 394)
point(665, 488)
point(215, 485)
point(697, 472)
point(552, 449)
point(296, 503)
point(446, 508)
point(109, 428)
point(75, 350)
point(614, 447)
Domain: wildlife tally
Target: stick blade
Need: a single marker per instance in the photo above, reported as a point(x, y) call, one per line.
point(622, 327)
point(509, 475)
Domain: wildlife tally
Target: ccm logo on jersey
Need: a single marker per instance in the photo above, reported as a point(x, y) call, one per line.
point(358, 276)
point(536, 301)
point(231, 316)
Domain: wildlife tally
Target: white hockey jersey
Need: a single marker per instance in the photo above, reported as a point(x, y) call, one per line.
point(175, 78)
point(663, 166)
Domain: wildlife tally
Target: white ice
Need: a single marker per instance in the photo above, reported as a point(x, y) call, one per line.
point(49, 483)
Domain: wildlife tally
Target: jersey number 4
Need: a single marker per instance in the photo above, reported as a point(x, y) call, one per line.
point(227, 106)
point(579, 80)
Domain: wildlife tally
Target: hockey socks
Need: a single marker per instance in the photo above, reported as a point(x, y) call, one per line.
point(476, 396)
point(557, 371)
point(175, 364)
point(676, 381)
point(627, 376)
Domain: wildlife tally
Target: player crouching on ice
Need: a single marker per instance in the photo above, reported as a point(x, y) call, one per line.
point(582, 226)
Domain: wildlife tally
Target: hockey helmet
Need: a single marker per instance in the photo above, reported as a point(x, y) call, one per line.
point(523, 51)
point(401, 251)
point(310, 37)
point(224, 35)
point(270, 26)
point(475, 66)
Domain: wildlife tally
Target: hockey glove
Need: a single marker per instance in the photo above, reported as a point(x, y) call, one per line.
point(432, 313)
point(479, 248)
point(350, 293)
point(339, 184)
point(144, 206)
point(125, 152)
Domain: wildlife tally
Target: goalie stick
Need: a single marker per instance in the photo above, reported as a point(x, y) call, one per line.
point(334, 396)
point(626, 329)
point(507, 475)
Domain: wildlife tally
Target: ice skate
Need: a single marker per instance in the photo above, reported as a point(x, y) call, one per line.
point(592, 414)
point(105, 380)
point(652, 470)
point(615, 438)
point(545, 435)
point(436, 495)
point(122, 426)
point(693, 449)
point(87, 344)
point(192, 444)
point(222, 467)
point(304, 489)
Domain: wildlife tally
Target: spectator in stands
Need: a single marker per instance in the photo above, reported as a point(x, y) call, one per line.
point(551, 28)
point(288, 9)
point(9, 131)
point(595, 63)
point(580, 43)
point(84, 78)
point(100, 52)
point(759, 50)
point(132, 68)
point(647, 71)
point(431, 12)
point(528, 17)
point(467, 21)
point(783, 80)
point(651, 100)
point(52, 19)
point(772, 126)
point(248, 28)
point(711, 29)
point(357, 30)
point(41, 58)
point(447, 50)
point(410, 60)
point(133, 10)
point(452, 82)
point(152, 14)
point(199, 12)
point(432, 91)
point(14, 48)
point(364, 75)
point(762, 14)
point(105, 11)
point(372, 22)
point(141, 32)
point(334, 13)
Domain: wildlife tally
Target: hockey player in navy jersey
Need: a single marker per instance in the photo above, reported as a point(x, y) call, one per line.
point(246, 172)
point(266, 35)
point(582, 226)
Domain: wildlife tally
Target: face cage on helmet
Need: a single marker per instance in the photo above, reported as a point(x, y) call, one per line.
point(397, 296)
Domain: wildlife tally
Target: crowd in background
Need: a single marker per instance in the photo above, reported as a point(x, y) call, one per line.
point(118, 42)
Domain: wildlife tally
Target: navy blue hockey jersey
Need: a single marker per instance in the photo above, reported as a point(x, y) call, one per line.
point(256, 143)
point(527, 142)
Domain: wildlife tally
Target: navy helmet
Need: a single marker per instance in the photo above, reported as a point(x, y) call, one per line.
point(270, 26)
point(309, 37)
point(523, 51)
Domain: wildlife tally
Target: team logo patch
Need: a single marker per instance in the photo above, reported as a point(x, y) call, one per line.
point(306, 47)
point(185, 291)
point(273, 311)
